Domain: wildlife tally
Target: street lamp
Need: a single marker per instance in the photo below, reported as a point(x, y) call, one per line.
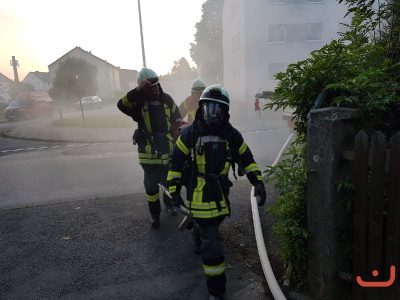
point(80, 100)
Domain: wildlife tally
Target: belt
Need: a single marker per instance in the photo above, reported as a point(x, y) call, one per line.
point(210, 176)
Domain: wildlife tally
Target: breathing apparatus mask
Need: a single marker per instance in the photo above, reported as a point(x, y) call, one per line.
point(213, 113)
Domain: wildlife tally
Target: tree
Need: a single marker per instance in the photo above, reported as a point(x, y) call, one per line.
point(359, 70)
point(181, 70)
point(75, 78)
point(18, 87)
point(207, 51)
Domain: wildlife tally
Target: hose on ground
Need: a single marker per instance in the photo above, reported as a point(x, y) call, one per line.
point(262, 251)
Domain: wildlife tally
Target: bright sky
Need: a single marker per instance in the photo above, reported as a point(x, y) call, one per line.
point(39, 32)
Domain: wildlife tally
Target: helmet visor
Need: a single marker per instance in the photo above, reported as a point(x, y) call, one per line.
point(213, 112)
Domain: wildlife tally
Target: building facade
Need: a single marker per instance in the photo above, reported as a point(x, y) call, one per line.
point(108, 76)
point(40, 81)
point(262, 37)
point(5, 83)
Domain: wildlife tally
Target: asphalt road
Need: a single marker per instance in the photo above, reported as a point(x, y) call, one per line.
point(100, 245)
point(105, 249)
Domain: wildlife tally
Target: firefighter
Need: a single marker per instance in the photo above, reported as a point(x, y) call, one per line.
point(191, 103)
point(209, 147)
point(155, 112)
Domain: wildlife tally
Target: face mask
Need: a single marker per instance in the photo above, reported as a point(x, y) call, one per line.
point(213, 113)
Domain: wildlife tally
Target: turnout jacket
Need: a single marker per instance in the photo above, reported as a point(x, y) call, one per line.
point(189, 107)
point(201, 160)
point(155, 119)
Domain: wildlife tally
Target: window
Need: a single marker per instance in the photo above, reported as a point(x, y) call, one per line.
point(314, 32)
point(277, 33)
point(275, 68)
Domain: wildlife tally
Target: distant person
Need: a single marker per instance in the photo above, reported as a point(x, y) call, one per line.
point(155, 112)
point(210, 145)
point(191, 103)
point(257, 107)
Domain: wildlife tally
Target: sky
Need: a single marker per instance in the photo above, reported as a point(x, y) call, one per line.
point(39, 32)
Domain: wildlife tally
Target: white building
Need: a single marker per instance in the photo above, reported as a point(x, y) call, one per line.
point(262, 37)
point(5, 83)
point(40, 81)
point(108, 76)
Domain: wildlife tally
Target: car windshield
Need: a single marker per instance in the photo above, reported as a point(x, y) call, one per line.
point(19, 102)
point(87, 99)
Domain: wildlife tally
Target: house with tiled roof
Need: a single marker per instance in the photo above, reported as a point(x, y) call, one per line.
point(108, 75)
point(5, 84)
point(40, 81)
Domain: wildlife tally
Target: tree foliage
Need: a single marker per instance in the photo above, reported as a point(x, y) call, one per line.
point(75, 78)
point(207, 51)
point(359, 70)
point(18, 87)
point(181, 70)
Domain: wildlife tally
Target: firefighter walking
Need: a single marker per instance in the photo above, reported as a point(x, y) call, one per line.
point(200, 161)
point(191, 103)
point(155, 112)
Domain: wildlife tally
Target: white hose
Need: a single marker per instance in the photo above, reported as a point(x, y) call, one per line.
point(262, 251)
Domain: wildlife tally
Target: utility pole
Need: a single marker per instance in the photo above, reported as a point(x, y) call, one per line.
point(14, 63)
point(141, 35)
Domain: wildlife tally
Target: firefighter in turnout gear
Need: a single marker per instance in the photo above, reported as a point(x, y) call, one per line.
point(155, 112)
point(200, 161)
point(191, 103)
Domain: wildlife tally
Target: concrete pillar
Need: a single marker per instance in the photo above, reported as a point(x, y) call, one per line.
point(329, 132)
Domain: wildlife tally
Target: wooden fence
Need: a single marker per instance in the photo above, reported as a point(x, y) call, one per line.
point(376, 222)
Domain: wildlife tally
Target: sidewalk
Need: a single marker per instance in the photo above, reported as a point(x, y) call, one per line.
point(43, 130)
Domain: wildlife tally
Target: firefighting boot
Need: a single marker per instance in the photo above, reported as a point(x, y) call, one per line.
point(155, 221)
point(155, 209)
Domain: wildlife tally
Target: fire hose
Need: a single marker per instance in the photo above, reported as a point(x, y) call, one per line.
point(262, 251)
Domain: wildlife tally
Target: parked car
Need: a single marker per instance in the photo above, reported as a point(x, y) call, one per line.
point(89, 102)
point(30, 105)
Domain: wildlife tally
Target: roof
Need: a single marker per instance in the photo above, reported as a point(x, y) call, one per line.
point(43, 76)
point(4, 78)
point(80, 49)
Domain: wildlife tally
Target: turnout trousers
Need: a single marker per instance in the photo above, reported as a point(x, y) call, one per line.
point(213, 258)
point(153, 175)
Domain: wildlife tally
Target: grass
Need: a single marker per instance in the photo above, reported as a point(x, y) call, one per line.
point(96, 122)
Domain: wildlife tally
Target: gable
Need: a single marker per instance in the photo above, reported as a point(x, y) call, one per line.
point(4, 78)
point(78, 52)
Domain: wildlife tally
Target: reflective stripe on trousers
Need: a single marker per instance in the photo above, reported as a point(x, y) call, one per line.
point(213, 260)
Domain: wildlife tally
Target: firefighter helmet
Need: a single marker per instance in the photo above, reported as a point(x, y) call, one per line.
point(214, 103)
point(215, 93)
point(146, 73)
point(198, 86)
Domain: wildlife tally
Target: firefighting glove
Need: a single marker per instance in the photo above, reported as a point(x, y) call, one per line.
point(174, 188)
point(260, 193)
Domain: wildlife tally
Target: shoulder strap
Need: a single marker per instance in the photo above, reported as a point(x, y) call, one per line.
point(234, 152)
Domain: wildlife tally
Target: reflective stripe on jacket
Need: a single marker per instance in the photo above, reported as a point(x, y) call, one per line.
point(155, 118)
point(207, 193)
